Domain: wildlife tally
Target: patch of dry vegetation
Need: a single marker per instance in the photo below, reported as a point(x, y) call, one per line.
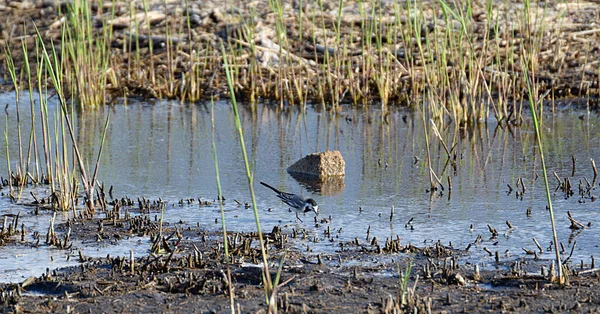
point(466, 59)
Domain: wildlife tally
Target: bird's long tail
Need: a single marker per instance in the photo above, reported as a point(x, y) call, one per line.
point(270, 187)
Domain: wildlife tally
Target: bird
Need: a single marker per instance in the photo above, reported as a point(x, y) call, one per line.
point(299, 203)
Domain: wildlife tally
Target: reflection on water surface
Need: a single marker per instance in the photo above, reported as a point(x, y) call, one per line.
point(163, 150)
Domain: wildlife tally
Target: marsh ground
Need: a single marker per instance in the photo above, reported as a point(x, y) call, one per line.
point(356, 280)
point(359, 279)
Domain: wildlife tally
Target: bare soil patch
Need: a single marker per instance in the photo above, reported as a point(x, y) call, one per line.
point(188, 276)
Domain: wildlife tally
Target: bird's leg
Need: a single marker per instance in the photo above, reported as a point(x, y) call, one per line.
point(298, 217)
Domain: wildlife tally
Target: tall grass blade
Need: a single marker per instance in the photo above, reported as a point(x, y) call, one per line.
point(220, 200)
point(53, 66)
point(238, 125)
point(538, 136)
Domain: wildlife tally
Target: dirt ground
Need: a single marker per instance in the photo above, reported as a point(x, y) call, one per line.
point(187, 276)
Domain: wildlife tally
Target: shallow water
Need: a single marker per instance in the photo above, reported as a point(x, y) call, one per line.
point(164, 150)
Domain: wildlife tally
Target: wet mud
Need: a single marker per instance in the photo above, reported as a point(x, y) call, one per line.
point(184, 272)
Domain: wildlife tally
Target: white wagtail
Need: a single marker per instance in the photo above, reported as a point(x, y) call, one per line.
point(300, 204)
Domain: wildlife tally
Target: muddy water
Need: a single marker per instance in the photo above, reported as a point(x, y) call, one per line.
point(163, 150)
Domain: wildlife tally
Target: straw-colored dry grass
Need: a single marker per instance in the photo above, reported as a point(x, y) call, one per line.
point(453, 55)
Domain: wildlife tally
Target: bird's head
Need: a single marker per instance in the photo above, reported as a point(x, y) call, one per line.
point(311, 205)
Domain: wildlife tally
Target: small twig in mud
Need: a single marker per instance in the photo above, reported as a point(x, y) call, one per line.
point(155, 259)
point(568, 188)
point(528, 252)
point(439, 136)
point(587, 182)
point(560, 183)
point(521, 183)
point(492, 230)
point(36, 201)
point(570, 254)
point(281, 285)
point(409, 223)
point(574, 223)
point(589, 271)
point(169, 259)
point(131, 262)
point(538, 245)
point(595, 170)
point(50, 235)
point(510, 189)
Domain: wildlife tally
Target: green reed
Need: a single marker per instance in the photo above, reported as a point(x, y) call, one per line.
point(220, 200)
point(404, 277)
point(538, 135)
point(18, 177)
point(85, 57)
point(268, 283)
point(32, 150)
point(8, 161)
point(51, 64)
point(529, 55)
point(528, 60)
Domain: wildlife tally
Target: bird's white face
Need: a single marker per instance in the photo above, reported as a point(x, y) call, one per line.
point(311, 205)
point(311, 208)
